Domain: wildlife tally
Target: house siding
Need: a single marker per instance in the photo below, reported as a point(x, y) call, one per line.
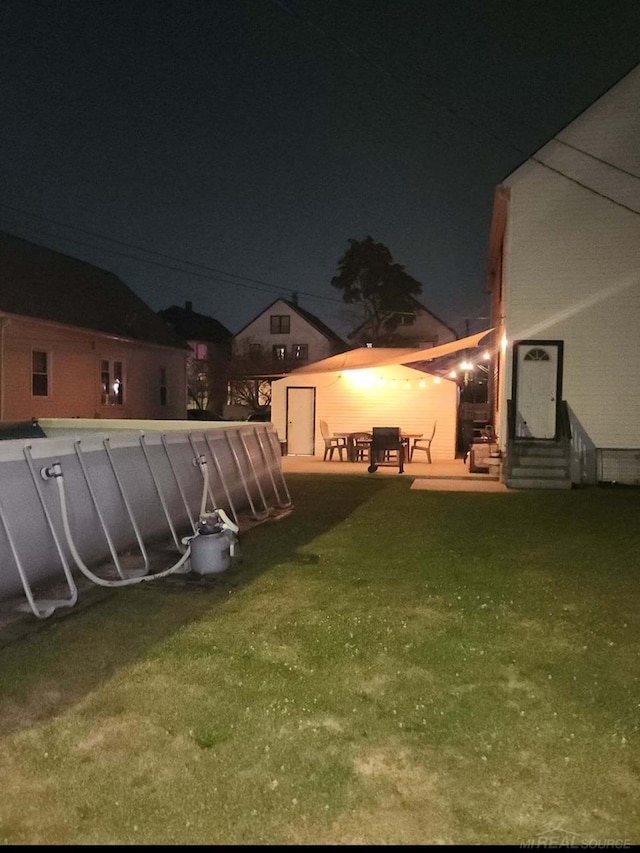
point(301, 332)
point(572, 271)
point(74, 374)
point(347, 406)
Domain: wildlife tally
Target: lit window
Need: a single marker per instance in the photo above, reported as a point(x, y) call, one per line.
point(39, 374)
point(201, 351)
point(300, 352)
point(112, 383)
point(163, 386)
point(279, 352)
point(280, 324)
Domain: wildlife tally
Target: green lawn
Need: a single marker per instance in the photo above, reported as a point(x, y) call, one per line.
point(384, 666)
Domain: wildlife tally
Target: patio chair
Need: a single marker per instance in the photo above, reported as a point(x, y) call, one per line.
point(360, 442)
point(332, 443)
point(423, 444)
point(386, 449)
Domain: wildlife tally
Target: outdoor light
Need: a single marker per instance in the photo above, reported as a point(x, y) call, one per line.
point(422, 384)
point(437, 380)
point(466, 365)
point(486, 355)
point(407, 385)
point(453, 374)
point(503, 343)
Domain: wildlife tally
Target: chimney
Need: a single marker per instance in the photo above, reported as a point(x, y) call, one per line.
point(187, 307)
point(294, 297)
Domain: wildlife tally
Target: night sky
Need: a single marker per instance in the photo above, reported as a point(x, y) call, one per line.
point(248, 140)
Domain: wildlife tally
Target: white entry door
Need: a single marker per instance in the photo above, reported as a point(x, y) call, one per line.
point(537, 388)
point(301, 415)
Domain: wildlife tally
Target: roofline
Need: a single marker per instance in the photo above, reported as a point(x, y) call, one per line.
point(295, 308)
point(70, 257)
point(87, 330)
point(604, 92)
point(424, 308)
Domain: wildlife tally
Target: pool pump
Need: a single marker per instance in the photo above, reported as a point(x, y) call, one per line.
point(214, 544)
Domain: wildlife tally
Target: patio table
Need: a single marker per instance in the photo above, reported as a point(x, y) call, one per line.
point(405, 438)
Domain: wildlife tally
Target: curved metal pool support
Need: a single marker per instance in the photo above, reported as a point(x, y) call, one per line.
point(127, 485)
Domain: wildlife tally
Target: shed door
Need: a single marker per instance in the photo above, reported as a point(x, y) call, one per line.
point(538, 388)
point(301, 411)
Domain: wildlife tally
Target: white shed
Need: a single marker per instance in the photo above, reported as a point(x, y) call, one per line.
point(357, 390)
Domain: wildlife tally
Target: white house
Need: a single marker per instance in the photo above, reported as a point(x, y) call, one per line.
point(564, 273)
point(281, 338)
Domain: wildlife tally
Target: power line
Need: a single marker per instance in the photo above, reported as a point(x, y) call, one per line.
point(265, 285)
point(447, 108)
point(159, 263)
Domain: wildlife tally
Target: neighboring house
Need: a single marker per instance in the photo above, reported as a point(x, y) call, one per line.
point(208, 364)
point(418, 327)
point(564, 274)
point(281, 338)
point(75, 341)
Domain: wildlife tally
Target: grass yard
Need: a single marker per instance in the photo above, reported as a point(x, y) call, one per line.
point(385, 666)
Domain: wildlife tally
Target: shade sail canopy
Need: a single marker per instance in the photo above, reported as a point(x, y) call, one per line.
point(364, 357)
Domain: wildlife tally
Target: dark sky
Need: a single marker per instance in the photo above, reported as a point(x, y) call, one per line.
point(255, 137)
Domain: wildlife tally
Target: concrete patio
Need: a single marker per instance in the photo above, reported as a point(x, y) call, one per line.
point(453, 475)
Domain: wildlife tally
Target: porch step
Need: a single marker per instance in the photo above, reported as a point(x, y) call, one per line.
point(538, 465)
point(552, 472)
point(526, 448)
point(539, 461)
point(537, 483)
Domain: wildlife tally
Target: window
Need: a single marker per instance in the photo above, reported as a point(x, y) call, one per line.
point(406, 319)
point(112, 382)
point(40, 374)
point(280, 324)
point(201, 351)
point(163, 386)
point(300, 352)
point(279, 352)
point(537, 354)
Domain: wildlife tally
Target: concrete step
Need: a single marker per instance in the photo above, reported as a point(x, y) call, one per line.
point(537, 483)
point(538, 449)
point(539, 472)
point(539, 461)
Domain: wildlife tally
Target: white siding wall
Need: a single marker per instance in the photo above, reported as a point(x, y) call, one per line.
point(302, 332)
point(355, 401)
point(572, 266)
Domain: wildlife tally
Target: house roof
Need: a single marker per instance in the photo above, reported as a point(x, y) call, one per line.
point(366, 357)
point(420, 307)
point(306, 315)
point(193, 326)
point(42, 283)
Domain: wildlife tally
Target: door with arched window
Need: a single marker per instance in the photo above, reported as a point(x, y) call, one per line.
point(537, 388)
